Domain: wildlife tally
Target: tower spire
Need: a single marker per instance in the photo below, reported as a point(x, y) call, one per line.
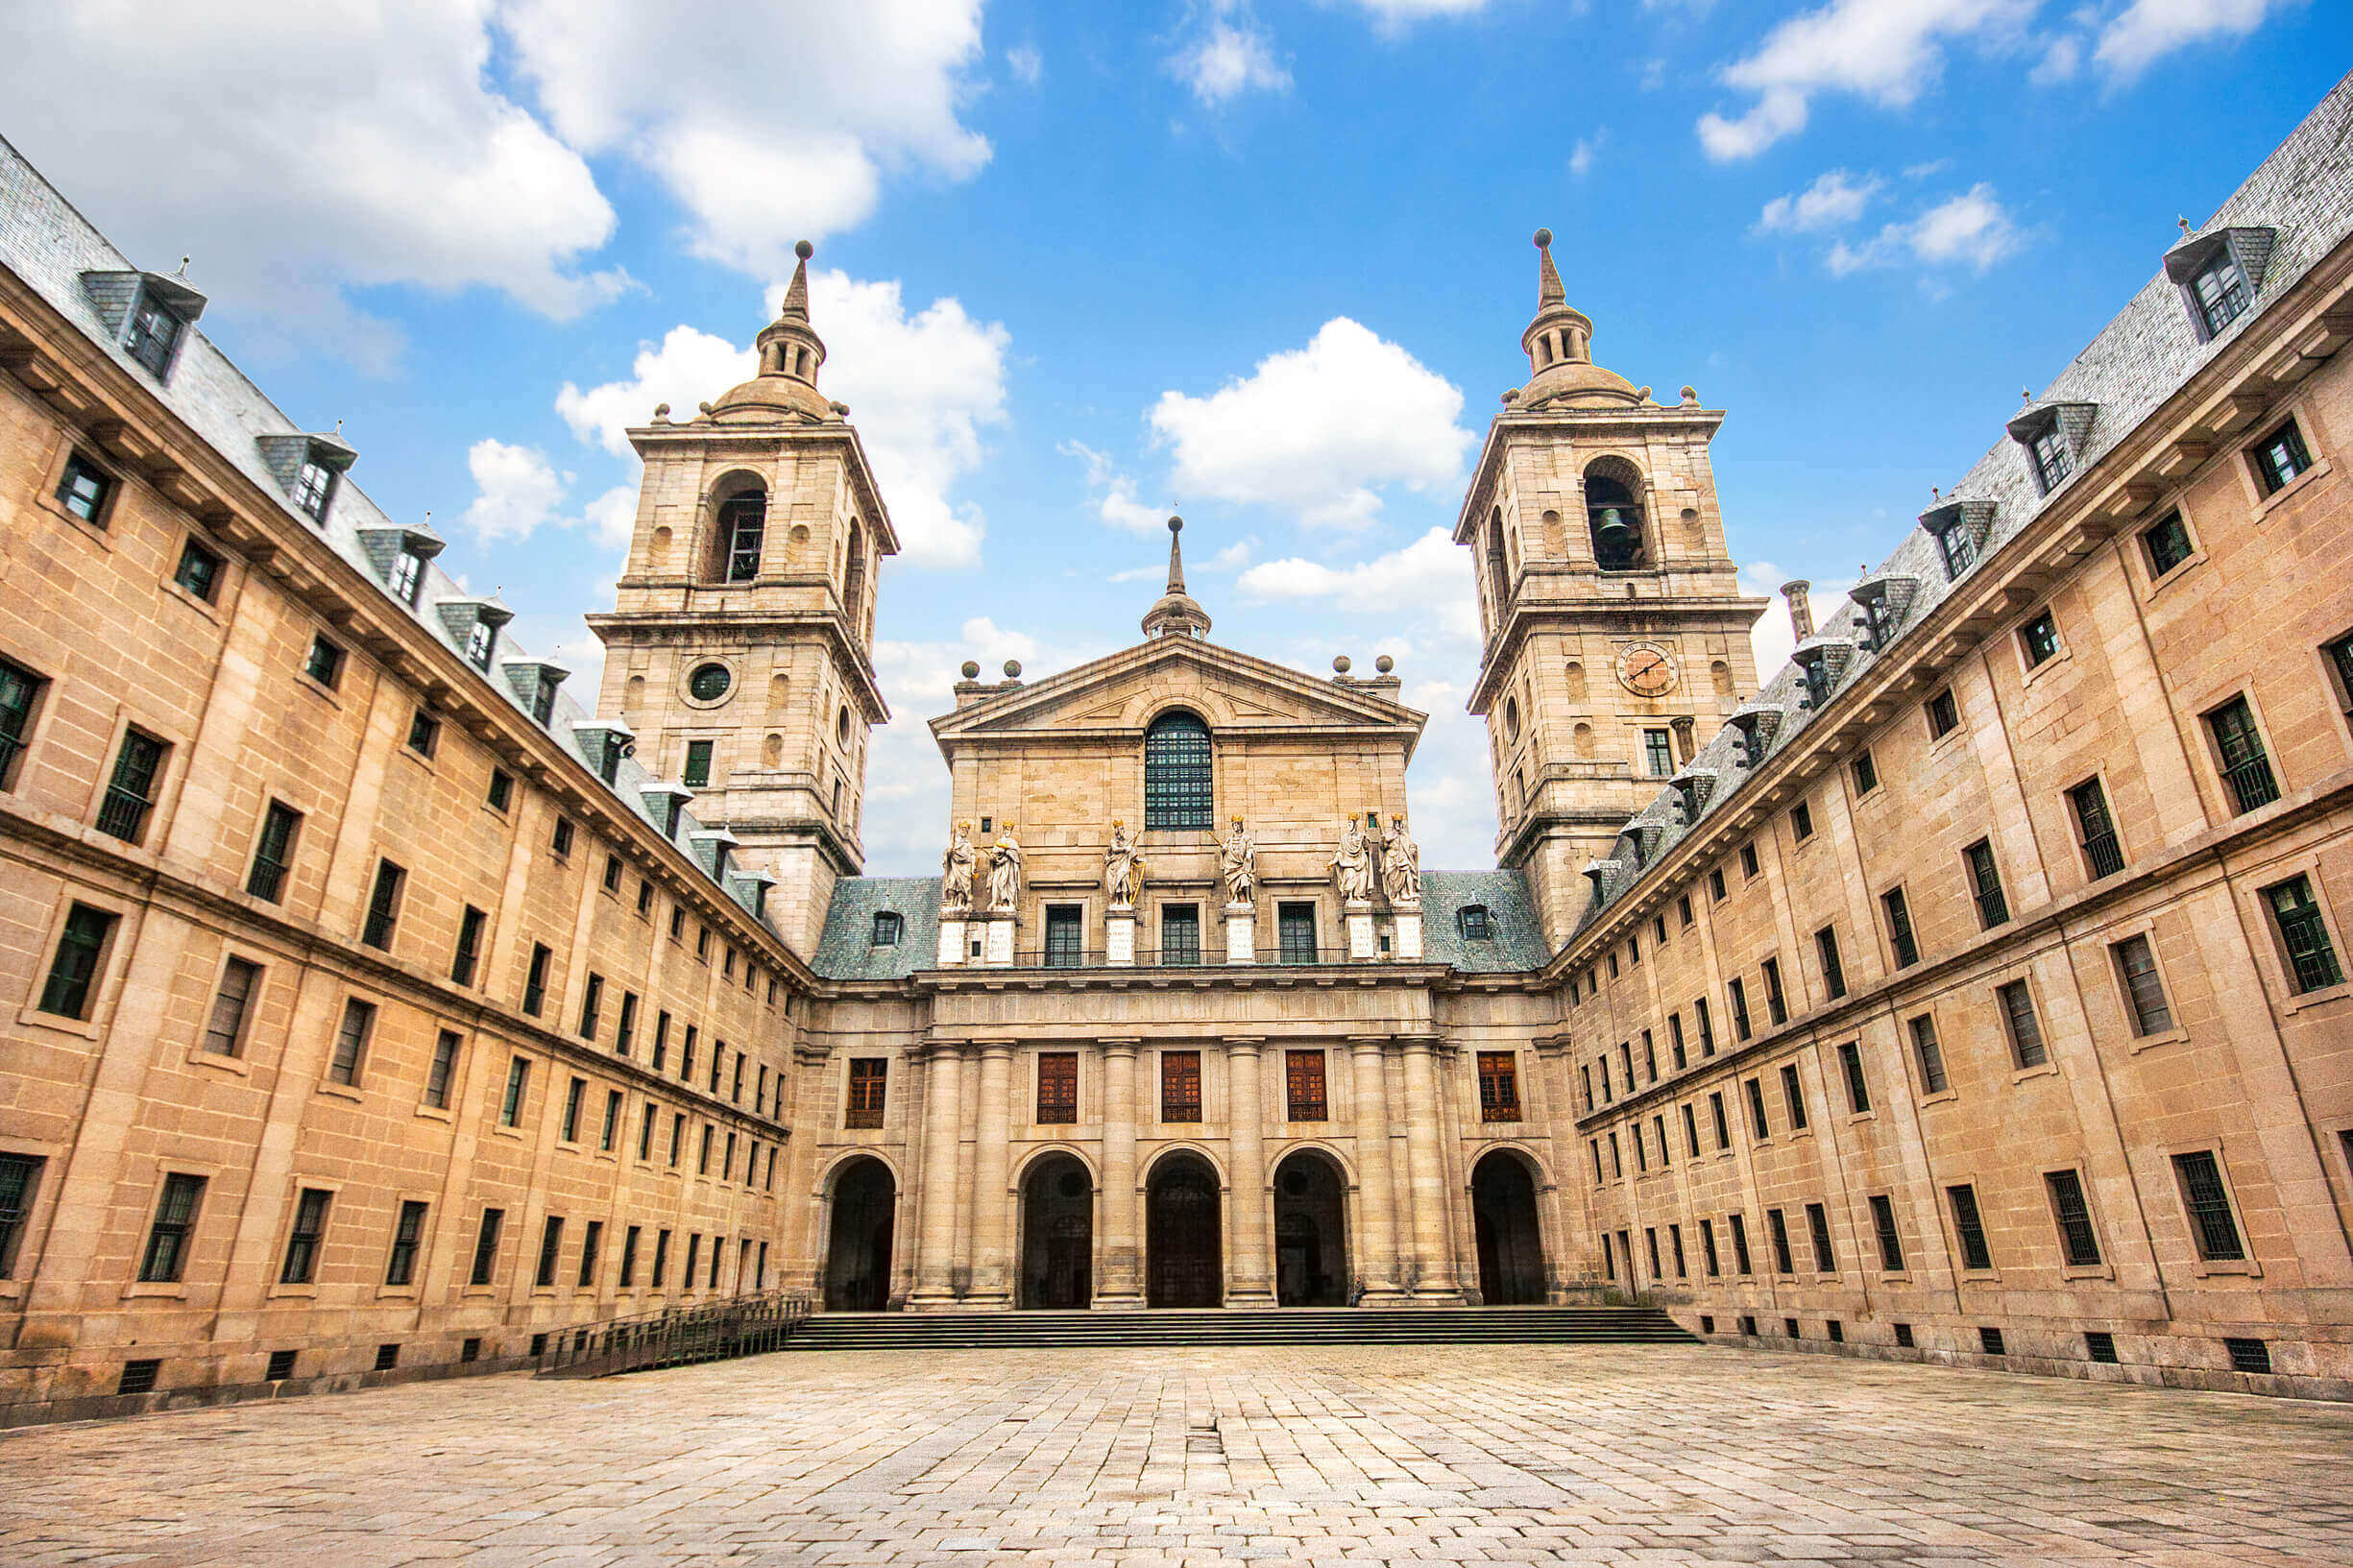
point(790, 353)
point(1177, 613)
point(1558, 344)
point(1175, 555)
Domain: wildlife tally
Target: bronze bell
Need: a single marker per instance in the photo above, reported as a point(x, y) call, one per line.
point(1614, 533)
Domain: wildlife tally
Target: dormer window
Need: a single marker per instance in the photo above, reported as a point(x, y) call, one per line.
point(2219, 275)
point(1958, 548)
point(308, 468)
point(480, 643)
point(542, 697)
point(407, 577)
point(153, 336)
point(148, 313)
point(2054, 436)
point(313, 487)
point(2051, 463)
point(888, 928)
point(1817, 672)
point(2220, 295)
point(1471, 919)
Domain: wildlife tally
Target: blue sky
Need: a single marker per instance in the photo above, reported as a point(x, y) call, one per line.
point(1261, 262)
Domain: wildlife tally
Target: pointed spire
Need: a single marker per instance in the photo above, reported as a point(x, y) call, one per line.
point(1175, 613)
point(1558, 345)
point(796, 292)
point(790, 354)
point(1175, 555)
point(1548, 289)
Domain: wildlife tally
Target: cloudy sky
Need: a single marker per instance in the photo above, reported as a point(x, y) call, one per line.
point(1264, 262)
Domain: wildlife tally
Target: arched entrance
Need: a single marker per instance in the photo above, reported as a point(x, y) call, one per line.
point(857, 1249)
point(1184, 1260)
point(1311, 1232)
point(1510, 1241)
point(1057, 1234)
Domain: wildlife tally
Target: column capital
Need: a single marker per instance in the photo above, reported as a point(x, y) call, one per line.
point(936, 1048)
point(995, 1048)
point(1369, 1042)
point(1422, 1042)
point(1126, 1045)
point(1245, 1041)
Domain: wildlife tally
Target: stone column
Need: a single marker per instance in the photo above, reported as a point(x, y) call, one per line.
point(990, 1200)
point(1248, 1273)
point(1375, 1188)
point(1425, 1173)
point(935, 1214)
point(1687, 738)
point(1120, 1281)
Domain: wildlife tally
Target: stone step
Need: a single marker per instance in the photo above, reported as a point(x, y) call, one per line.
point(1053, 1330)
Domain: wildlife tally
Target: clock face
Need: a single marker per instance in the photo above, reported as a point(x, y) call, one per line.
point(1647, 670)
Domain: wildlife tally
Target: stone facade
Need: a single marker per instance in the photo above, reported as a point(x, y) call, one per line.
point(1845, 1009)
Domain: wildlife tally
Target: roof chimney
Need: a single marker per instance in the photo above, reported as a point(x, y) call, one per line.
point(1801, 613)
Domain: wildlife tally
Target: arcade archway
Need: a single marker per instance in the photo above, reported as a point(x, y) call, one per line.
point(1511, 1240)
point(1184, 1262)
point(1311, 1232)
point(857, 1247)
point(1057, 1234)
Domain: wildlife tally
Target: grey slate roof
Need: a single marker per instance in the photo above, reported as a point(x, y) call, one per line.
point(1516, 941)
point(45, 242)
point(846, 952)
point(2303, 192)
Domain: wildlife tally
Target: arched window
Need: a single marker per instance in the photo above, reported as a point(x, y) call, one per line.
point(1614, 516)
point(1177, 772)
point(744, 526)
point(887, 927)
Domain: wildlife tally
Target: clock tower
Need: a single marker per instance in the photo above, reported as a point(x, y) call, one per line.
point(1615, 635)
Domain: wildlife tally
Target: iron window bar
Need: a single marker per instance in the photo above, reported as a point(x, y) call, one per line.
point(2310, 958)
point(2245, 768)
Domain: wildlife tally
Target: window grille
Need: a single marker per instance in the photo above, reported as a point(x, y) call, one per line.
point(1058, 1087)
point(1499, 1086)
point(1180, 933)
point(2168, 544)
point(224, 1026)
point(2099, 1345)
point(444, 1069)
point(1065, 936)
point(352, 1041)
point(2248, 1355)
point(303, 1240)
point(1303, 1085)
point(2312, 959)
point(2102, 850)
point(1177, 773)
point(1834, 972)
point(1900, 935)
point(2280, 457)
point(19, 1178)
point(1295, 931)
point(869, 1077)
point(130, 790)
point(383, 904)
point(1471, 919)
point(152, 334)
point(745, 524)
point(2077, 1240)
point(1989, 1339)
point(2219, 293)
point(139, 1376)
point(485, 1247)
point(2245, 768)
point(168, 1238)
point(313, 487)
point(19, 689)
point(1929, 1054)
point(2027, 1047)
point(2212, 1224)
point(73, 971)
point(2144, 988)
point(1891, 1240)
point(887, 929)
point(517, 1081)
point(1970, 1228)
point(1181, 1086)
point(1985, 884)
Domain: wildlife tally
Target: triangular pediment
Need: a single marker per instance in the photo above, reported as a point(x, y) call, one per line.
point(1122, 693)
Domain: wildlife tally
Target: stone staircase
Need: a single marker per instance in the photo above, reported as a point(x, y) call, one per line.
point(1288, 1326)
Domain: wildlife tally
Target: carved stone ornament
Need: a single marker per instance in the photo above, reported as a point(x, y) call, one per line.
point(1005, 867)
point(1401, 867)
point(1238, 864)
point(955, 870)
point(1352, 863)
point(1123, 868)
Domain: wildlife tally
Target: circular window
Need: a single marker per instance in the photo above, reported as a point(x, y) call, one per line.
point(710, 682)
point(841, 727)
point(1511, 718)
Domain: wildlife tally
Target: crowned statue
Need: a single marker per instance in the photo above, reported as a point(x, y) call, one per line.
point(1004, 862)
point(1401, 867)
point(1352, 863)
point(1123, 868)
point(1238, 864)
point(955, 869)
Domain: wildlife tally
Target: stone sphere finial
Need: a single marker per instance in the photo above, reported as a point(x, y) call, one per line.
point(1690, 394)
point(972, 669)
point(1543, 237)
point(804, 250)
point(1012, 670)
point(1384, 663)
point(1175, 525)
point(1340, 665)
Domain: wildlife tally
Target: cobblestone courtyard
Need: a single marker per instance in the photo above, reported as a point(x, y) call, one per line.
point(1394, 1455)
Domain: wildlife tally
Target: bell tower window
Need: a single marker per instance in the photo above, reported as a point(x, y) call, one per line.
point(744, 525)
point(1615, 519)
point(1177, 773)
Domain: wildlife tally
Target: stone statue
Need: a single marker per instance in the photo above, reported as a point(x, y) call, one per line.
point(956, 868)
point(1123, 868)
point(1004, 860)
point(1401, 867)
point(1238, 862)
point(1352, 863)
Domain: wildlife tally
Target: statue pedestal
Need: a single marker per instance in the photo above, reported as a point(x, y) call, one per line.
point(1119, 936)
point(997, 940)
point(1241, 933)
point(951, 940)
point(1408, 944)
point(1362, 945)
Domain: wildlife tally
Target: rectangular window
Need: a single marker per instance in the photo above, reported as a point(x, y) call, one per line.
point(1707, 1029)
point(662, 1256)
point(1969, 1228)
point(2212, 1226)
point(685, 1056)
point(662, 1040)
point(1985, 884)
point(645, 1131)
point(2339, 663)
point(424, 733)
point(592, 1243)
point(1674, 1236)
point(572, 1110)
point(302, 1240)
point(559, 842)
point(1858, 1088)
point(2077, 1240)
point(469, 954)
point(273, 851)
point(314, 486)
point(225, 1025)
point(19, 1178)
point(1181, 1086)
point(517, 1082)
point(20, 692)
point(694, 1255)
point(1818, 1222)
point(1929, 1054)
point(1748, 867)
point(542, 699)
point(2245, 768)
point(2053, 461)
point(2102, 854)
point(2025, 1031)
point(592, 1002)
point(166, 1256)
point(2136, 965)
point(444, 1069)
point(2039, 638)
point(1659, 753)
point(1058, 1087)
point(550, 1248)
point(702, 1160)
point(1650, 1237)
point(868, 1077)
point(1690, 1132)
point(501, 792)
point(1944, 715)
point(1833, 973)
point(130, 790)
point(1758, 1126)
point(1891, 1241)
point(383, 904)
point(1675, 1043)
point(1900, 928)
point(1777, 1003)
point(1739, 1244)
point(612, 1120)
point(1716, 884)
point(2280, 457)
point(1707, 1248)
point(1650, 1058)
point(350, 1053)
point(1296, 931)
point(1723, 1122)
point(2167, 542)
point(1777, 1226)
point(2312, 959)
point(1802, 821)
point(1658, 1125)
point(2220, 294)
point(678, 1137)
point(485, 1247)
point(199, 570)
point(1303, 1085)
point(408, 580)
point(1065, 935)
point(1498, 1086)
point(698, 765)
point(83, 489)
point(626, 1032)
point(407, 1240)
point(535, 979)
point(1737, 993)
point(1793, 1093)
point(629, 1256)
point(1180, 933)
point(73, 971)
point(1866, 773)
point(325, 663)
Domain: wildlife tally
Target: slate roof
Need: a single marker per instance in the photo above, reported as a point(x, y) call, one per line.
point(45, 242)
point(847, 951)
point(1516, 940)
point(2304, 192)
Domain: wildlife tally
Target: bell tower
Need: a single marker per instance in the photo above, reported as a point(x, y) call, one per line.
point(1615, 635)
point(740, 647)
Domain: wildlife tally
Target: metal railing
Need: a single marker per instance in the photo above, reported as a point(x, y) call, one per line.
point(2106, 854)
point(2251, 783)
point(711, 1331)
point(1208, 956)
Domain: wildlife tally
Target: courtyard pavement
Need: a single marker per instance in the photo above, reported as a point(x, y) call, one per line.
point(1309, 1455)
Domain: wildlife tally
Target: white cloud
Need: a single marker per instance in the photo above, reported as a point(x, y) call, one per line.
point(1775, 635)
point(1390, 14)
point(1028, 66)
point(1972, 229)
point(1317, 431)
point(1833, 200)
point(1235, 556)
point(920, 389)
point(1232, 55)
point(298, 153)
point(2151, 28)
point(1581, 156)
point(1888, 51)
point(1431, 576)
point(1114, 492)
point(767, 122)
point(516, 488)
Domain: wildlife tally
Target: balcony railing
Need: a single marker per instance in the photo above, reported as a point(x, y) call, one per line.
point(124, 814)
point(743, 1325)
point(1209, 956)
point(2251, 783)
point(2106, 854)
